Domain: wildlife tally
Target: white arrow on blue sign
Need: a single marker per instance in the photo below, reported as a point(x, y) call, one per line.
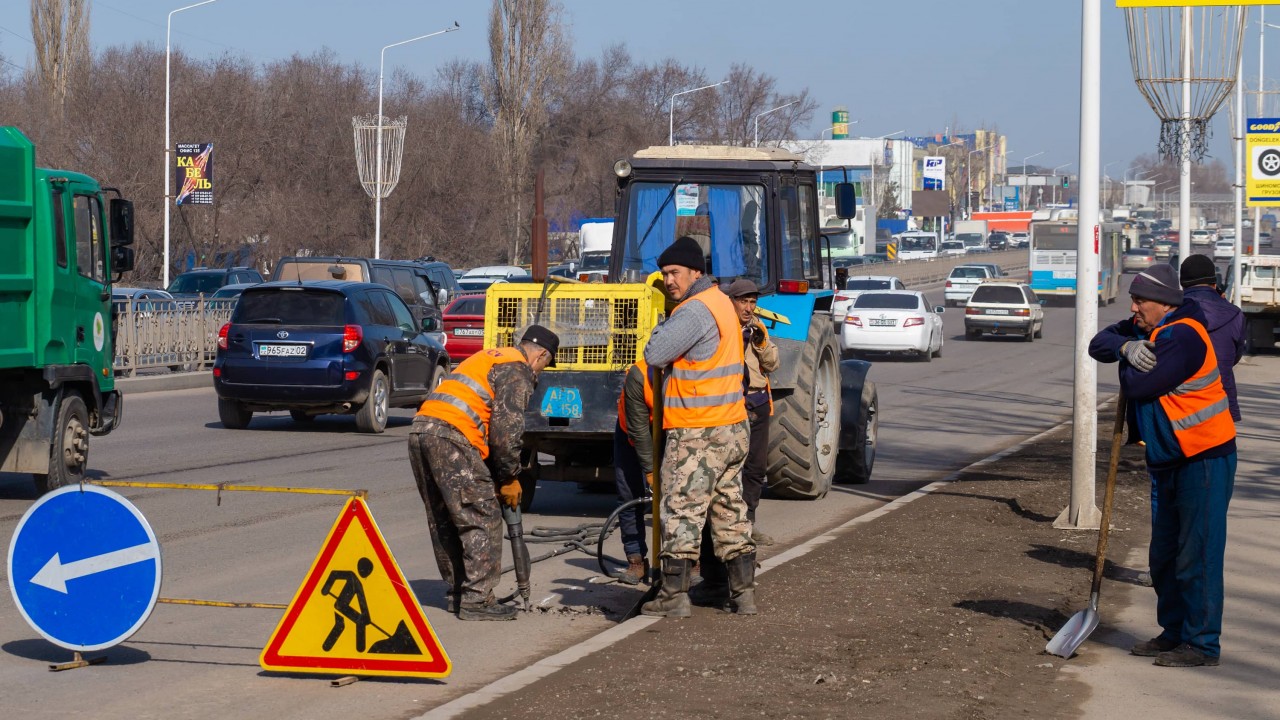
point(84, 568)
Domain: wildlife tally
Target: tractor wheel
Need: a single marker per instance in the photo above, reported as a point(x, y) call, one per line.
point(69, 451)
point(854, 465)
point(804, 431)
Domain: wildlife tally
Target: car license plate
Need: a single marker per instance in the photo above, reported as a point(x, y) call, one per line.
point(878, 322)
point(562, 402)
point(997, 312)
point(282, 351)
point(468, 332)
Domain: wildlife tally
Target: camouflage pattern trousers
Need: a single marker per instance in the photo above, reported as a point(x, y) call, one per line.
point(702, 484)
point(462, 512)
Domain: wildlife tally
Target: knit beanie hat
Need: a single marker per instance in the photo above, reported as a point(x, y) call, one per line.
point(1198, 270)
point(1158, 282)
point(684, 251)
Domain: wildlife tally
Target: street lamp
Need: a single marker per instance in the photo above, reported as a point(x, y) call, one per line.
point(1054, 201)
point(1107, 180)
point(671, 113)
point(1024, 178)
point(377, 203)
point(968, 179)
point(168, 145)
point(756, 143)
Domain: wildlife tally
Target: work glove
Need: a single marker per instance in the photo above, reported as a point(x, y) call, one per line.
point(1140, 355)
point(759, 336)
point(509, 493)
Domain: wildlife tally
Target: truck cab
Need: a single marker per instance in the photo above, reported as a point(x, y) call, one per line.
point(61, 241)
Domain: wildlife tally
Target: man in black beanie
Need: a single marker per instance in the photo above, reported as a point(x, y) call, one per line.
point(1224, 321)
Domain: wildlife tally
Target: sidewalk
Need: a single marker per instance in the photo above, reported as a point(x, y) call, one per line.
point(941, 607)
point(1244, 685)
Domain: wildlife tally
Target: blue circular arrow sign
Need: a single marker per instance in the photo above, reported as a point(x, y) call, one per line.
point(84, 568)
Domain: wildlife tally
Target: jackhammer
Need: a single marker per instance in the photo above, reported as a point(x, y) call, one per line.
point(519, 552)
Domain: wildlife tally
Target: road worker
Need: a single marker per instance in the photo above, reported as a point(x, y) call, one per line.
point(466, 437)
point(707, 434)
point(633, 464)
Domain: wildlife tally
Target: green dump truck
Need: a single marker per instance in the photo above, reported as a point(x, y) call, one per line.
point(60, 244)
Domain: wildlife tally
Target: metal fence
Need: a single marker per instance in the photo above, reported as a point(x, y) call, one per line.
point(179, 335)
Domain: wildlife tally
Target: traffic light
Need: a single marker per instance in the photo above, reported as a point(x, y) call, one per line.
point(1066, 182)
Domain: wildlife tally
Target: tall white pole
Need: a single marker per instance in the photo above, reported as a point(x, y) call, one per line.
point(1184, 143)
point(377, 196)
point(766, 112)
point(1083, 513)
point(1262, 42)
point(1239, 141)
point(168, 143)
point(671, 112)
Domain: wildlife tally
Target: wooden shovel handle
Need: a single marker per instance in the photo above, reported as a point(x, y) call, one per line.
point(1117, 440)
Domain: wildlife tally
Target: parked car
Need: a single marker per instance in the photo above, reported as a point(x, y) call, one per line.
point(962, 281)
point(1137, 259)
point(475, 285)
point(464, 326)
point(145, 301)
point(504, 272)
point(855, 286)
point(893, 321)
point(952, 247)
point(998, 241)
point(231, 292)
point(320, 347)
point(1224, 249)
point(1264, 239)
point(1004, 307)
point(411, 280)
point(1020, 239)
point(442, 277)
point(1201, 237)
point(206, 281)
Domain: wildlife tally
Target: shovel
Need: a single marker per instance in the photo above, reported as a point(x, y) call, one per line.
point(1079, 627)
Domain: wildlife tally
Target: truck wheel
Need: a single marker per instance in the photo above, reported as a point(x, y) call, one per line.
point(804, 430)
point(372, 416)
point(69, 451)
point(233, 415)
point(854, 465)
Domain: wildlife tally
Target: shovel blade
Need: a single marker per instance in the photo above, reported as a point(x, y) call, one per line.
point(1073, 634)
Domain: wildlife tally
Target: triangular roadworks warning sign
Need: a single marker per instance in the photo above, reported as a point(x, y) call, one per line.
point(354, 613)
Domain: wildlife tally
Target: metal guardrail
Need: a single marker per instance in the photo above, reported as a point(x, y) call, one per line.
point(181, 335)
point(925, 272)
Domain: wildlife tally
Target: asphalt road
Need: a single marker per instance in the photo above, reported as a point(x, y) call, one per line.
point(979, 397)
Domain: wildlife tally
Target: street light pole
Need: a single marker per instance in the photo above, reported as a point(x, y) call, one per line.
point(1021, 197)
point(168, 145)
point(968, 180)
point(671, 113)
point(1106, 192)
point(766, 112)
point(377, 203)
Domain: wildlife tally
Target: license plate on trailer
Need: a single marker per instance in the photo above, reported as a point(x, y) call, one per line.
point(562, 402)
point(468, 332)
point(882, 323)
point(282, 350)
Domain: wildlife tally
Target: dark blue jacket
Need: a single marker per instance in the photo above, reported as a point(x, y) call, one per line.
point(1179, 355)
point(1226, 327)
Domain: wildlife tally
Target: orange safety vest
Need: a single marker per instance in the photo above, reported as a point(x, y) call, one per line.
point(1198, 409)
point(708, 393)
point(465, 399)
point(622, 396)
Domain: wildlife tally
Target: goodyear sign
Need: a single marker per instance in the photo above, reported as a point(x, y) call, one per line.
point(1262, 150)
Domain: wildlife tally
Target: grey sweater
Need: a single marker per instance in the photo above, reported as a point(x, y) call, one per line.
point(692, 331)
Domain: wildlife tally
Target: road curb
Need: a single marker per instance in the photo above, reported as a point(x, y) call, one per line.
point(542, 668)
point(162, 383)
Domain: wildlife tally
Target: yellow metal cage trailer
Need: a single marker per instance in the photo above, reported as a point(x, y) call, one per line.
point(755, 213)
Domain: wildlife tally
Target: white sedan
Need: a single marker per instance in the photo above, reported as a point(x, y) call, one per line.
point(893, 321)
point(1224, 249)
point(855, 286)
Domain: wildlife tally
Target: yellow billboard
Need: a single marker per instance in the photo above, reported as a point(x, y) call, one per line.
point(1191, 3)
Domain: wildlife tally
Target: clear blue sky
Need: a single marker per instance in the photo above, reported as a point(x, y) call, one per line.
point(918, 65)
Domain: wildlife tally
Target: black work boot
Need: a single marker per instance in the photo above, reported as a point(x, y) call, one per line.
point(742, 585)
point(1185, 656)
point(482, 611)
point(1153, 647)
point(713, 591)
point(673, 596)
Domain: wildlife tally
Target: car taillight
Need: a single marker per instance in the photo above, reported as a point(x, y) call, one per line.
point(841, 298)
point(352, 374)
point(222, 336)
point(352, 336)
point(948, 283)
point(794, 287)
point(1022, 311)
point(913, 321)
point(853, 320)
point(972, 311)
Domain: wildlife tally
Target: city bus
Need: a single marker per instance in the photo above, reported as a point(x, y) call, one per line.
point(1052, 260)
point(917, 245)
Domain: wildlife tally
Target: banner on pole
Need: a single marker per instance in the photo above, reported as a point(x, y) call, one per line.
point(195, 174)
point(935, 173)
point(1262, 149)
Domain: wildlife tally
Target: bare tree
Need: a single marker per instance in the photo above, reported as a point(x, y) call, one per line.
point(527, 52)
point(60, 30)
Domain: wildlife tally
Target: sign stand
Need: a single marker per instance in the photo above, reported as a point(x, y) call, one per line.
point(78, 661)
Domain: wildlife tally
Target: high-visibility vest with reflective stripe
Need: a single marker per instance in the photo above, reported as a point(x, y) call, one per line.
point(708, 393)
point(465, 399)
point(643, 367)
point(1198, 409)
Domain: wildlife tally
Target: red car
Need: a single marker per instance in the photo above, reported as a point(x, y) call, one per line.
point(464, 327)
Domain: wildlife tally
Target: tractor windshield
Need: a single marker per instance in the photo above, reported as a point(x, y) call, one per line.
point(727, 220)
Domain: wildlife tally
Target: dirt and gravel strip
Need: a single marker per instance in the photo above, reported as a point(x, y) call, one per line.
point(940, 609)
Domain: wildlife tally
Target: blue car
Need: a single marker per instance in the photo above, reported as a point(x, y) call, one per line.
point(320, 347)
